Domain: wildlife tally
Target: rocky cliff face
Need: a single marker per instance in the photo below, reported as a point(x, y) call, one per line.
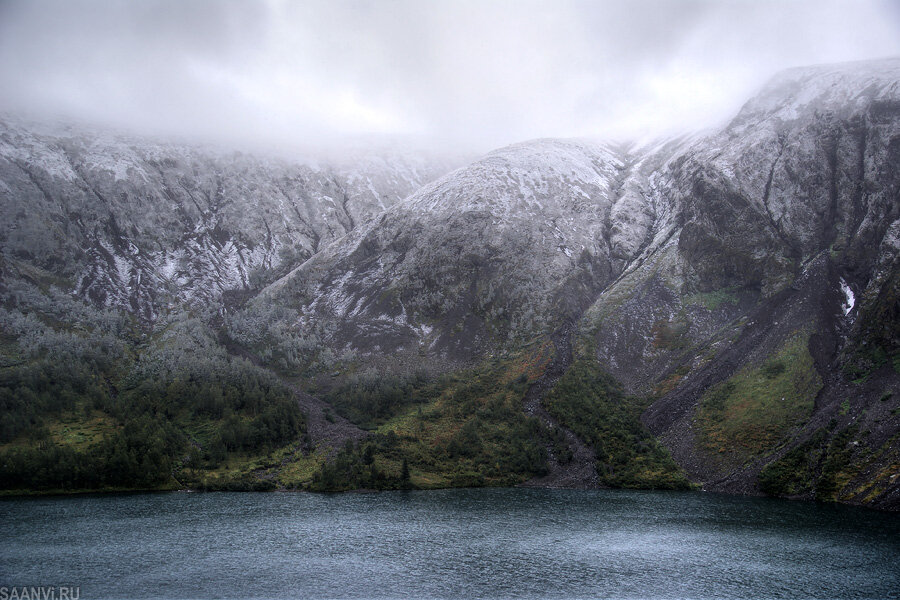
point(806, 172)
point(141, 225)
point(477, 261)
point(746, 282)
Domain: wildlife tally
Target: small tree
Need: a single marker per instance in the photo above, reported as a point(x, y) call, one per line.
point(404, 474)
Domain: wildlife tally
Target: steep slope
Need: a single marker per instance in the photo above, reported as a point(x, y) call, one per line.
point(784, 228)
point(144, 225)
point(484, 258)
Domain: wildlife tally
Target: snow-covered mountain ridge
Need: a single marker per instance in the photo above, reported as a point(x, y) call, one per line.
point(142, 225)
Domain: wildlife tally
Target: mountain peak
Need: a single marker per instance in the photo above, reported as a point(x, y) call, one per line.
point(843, 87)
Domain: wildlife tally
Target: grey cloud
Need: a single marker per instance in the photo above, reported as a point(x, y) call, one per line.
point(478, 73)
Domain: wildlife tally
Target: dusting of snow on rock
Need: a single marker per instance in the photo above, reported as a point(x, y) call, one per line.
point(147, 218)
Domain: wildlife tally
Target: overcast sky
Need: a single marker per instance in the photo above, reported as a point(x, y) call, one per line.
point(480, 73)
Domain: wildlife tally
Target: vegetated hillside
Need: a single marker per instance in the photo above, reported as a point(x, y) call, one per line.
point(719, 309)
point(119, 256)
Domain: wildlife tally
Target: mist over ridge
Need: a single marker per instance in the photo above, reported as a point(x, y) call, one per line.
point(472, 75)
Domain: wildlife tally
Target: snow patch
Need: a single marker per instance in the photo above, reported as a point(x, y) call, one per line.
point(849, 298)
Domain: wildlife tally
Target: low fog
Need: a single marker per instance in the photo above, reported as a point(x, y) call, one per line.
point(472, 74)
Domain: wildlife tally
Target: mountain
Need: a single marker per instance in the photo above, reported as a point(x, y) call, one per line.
point(141, 225)
point(767, 323)
point(476, 261)
point(718, 310)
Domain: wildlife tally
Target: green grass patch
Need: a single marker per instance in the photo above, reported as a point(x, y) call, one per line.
point(80, 433)
point(712, 300)
point(300, 470)
point(866, 360)
point(671, 335)
point(753, 410)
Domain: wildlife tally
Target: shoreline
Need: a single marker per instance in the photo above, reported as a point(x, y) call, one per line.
point(29, 494)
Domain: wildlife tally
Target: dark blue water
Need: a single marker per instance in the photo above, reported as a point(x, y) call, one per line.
point(488, 543)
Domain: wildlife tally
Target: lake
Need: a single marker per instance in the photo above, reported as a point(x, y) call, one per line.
point(470, 543)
